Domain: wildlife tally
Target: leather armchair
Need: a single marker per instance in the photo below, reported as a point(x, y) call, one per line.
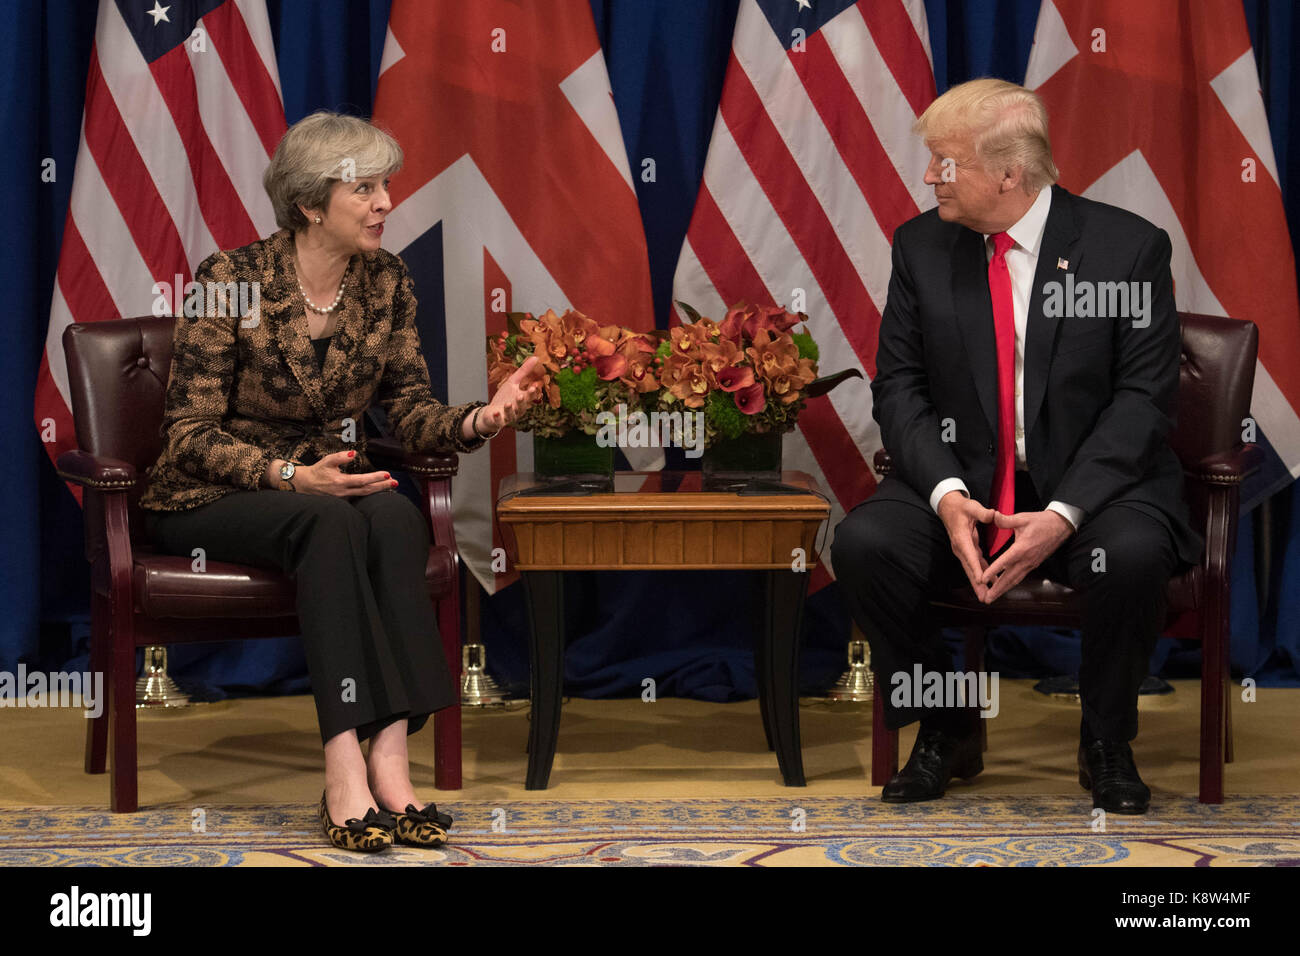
point(117, 377)
point(1216, 378)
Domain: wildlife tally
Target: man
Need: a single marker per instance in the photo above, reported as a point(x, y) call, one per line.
point(1025, 398)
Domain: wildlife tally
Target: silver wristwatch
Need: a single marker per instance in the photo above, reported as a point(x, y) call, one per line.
point(286, 473)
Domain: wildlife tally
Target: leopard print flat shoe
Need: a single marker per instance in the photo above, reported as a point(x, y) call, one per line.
point(372, 833)
point(427, 827)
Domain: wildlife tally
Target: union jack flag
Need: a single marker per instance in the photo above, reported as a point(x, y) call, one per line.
point(1160, 112)
point(516, 195)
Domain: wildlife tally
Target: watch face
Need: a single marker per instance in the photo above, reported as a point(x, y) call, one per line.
point(286, 470)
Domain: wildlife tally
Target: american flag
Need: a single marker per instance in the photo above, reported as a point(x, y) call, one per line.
point(516, 195)
point(811, 167)
point(1158, 110)
point(183, 111)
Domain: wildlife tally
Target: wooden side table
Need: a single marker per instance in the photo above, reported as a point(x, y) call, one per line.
point(664, 520)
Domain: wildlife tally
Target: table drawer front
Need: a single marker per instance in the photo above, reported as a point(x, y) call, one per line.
point(632, 544)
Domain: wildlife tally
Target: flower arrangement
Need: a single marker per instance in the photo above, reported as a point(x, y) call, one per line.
point(750, 373)
point(587, 368)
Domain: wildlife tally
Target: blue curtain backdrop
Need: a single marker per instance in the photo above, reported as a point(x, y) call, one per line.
point(666, 61)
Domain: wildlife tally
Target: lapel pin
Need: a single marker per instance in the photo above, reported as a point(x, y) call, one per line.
point(1062, 263)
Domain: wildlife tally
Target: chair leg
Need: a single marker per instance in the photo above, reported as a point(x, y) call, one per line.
point(97, 727)
point(1213, 701)
point(884, 742)
point(1227, 718)
point(121, 702)
point(974, 660)
point(447, 722)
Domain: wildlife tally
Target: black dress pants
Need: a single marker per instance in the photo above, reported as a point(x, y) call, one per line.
point(890, 555)
point(368, 627)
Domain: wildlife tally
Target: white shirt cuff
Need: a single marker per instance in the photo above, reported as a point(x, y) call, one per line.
point(943, 487)
point(1069, 512)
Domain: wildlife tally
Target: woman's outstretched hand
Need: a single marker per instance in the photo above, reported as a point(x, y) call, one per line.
point(326, 477)
point(513, 398)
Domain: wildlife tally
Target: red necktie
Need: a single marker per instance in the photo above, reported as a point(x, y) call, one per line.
point(1004, 327)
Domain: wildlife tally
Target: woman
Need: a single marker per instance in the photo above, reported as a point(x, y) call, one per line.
point(264, 459)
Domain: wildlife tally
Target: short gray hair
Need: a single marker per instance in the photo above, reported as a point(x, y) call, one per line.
point(318, 151)
point(1007, 123)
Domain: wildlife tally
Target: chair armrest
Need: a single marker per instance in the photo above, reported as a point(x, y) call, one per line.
point(883, 463)
point(437, 470)
point(1228, 467)
point(91, 471)
point(388, 453)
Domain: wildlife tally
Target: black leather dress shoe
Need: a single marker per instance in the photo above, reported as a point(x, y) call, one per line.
point(1106, 768)
point(936, 758)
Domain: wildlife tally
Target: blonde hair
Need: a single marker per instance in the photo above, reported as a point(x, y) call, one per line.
point(1006, 122)
point(318, 151)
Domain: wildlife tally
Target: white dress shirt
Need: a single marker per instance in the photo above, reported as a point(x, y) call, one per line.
point(1022, 261)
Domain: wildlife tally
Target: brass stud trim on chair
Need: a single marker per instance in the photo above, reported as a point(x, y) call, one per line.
point(101, 484)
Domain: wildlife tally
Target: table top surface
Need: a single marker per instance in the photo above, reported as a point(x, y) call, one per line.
point(526, 486)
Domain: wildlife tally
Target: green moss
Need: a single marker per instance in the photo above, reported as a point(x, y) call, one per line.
point(721, 412)
point(577, 392)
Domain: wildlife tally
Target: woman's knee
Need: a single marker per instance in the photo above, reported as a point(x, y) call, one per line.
point(330, 514)
point(392, 516)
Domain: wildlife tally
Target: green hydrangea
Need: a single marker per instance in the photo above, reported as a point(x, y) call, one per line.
point(721, 412)
point(665, 348)
point(577, 392)
point(807, 347)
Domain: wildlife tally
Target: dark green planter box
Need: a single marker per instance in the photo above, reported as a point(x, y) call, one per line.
point(573, 454)
point(748, 454)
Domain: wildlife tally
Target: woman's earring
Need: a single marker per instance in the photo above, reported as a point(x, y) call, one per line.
point(317, 220)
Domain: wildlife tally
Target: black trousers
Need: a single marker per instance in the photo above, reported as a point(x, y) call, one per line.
point(368, 627)
point(890, 556)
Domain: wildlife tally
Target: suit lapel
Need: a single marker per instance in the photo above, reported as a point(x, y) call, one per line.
point(970, 293)
point(1060, 237)
point(284, 308)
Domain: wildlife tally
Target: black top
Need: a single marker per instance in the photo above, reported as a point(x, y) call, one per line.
point(321, 345)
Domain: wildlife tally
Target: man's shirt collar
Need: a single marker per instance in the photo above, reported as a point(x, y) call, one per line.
point(1028, 230)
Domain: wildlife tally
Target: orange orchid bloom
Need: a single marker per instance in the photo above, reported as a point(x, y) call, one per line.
point(773, 354)
point(685, 379)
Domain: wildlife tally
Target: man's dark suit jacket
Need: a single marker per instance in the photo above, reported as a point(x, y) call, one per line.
point(1099, 394)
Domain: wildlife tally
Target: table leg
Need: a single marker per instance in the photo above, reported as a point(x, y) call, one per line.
point(759, 626)
point(778, 666)
point(544, 592)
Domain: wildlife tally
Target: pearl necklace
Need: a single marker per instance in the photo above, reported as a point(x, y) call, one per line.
point(327, 309)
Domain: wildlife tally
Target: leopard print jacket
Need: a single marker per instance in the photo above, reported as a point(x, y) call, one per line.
point(246, 390)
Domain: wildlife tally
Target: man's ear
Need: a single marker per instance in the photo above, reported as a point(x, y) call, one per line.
point(1011, 179)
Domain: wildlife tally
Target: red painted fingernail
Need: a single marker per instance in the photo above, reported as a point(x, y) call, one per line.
point(352, 454)
point(394, 484)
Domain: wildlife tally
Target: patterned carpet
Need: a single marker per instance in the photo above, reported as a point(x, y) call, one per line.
point(824, 831)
